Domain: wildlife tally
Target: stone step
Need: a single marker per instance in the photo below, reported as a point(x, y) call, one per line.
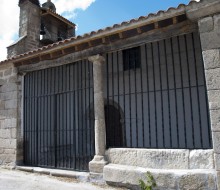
point(129, 176)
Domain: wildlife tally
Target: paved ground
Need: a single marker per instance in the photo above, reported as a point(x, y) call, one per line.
point(18, 180)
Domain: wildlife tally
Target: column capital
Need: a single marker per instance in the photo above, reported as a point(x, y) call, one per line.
point(97, 59)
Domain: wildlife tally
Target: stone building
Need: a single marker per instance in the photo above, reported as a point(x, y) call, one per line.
point(139, 96)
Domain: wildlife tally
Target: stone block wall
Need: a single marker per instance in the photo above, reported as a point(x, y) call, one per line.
point(8, 114)
point(210, 38)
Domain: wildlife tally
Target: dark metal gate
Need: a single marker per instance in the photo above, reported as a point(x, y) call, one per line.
point(58, 129)
point(161, 92)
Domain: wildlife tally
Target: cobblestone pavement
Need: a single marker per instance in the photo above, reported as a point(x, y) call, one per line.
point(18, 180)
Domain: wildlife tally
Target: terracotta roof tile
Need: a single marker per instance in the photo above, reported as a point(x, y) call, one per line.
point(58, 16)
point(107, 29)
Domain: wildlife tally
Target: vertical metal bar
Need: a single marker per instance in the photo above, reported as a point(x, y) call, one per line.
point(47, 114)
point(129, 80)
point(206, 98)
point(85, 114)
point(124, 119)
point(40, 116)
point(168, 90)
point(89, 112)
point(107, 135)
point(62, 121)
point(58, 118)
point(161, 91)
point(55, 130)
point(29, 123)
point(36, 115)
point(113, 94)
point(78, 89)
point(187, 61)
point(69, 113)
point(75, 70)
point(197, 88)
point(81, 118)
point(25, 119)
point(136, 58)
point(148, 97)
point(93, 107)
point(142, 100)
point(155, 102)
point(174, 78)
point(66, 74)
point(121, 140)
point(30, 119)
point(184, 111)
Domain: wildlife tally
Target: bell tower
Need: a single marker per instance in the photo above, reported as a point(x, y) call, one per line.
point(29, 24)
point(39, 26)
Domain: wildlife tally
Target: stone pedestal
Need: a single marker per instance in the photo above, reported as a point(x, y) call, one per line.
point(98, 163)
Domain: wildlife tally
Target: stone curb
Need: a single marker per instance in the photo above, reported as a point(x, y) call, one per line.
point(81, 176)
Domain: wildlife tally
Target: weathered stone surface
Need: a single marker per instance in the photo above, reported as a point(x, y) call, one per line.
point(99, 105)
point(211, 58)
point(210, 40)
point(8, 72)
point(218, 180)
point(206, 24)
point(2, 105)
point(214, 105)
point(217, 22)
point(13, 133)
point(9, 95)
point(129, 176)
point(97, 164)
point(217, 161)
point(9, 123)
point(195, 181)
point(5, 133)
point(158, 159)
point(212, 79)
point(201, 159)
point(122, 156)
point(10, 104)
point(2, 82)
point(215, 120)
point(12, 113)
point(9, 151)
point(165, 180)
point(8, 143)
point(216, 142)
point(8, 87)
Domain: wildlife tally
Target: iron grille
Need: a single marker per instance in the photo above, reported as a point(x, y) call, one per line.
point(58, 124)
point(162, 104)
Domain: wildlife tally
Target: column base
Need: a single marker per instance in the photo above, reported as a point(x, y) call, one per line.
point(97, 164)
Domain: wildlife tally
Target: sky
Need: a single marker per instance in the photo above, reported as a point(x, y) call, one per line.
point(88, 15)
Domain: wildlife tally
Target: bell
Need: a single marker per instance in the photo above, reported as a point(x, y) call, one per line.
point(42, 29)
point(42, 32)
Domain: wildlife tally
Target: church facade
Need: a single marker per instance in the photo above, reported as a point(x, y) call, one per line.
point(139, 96)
